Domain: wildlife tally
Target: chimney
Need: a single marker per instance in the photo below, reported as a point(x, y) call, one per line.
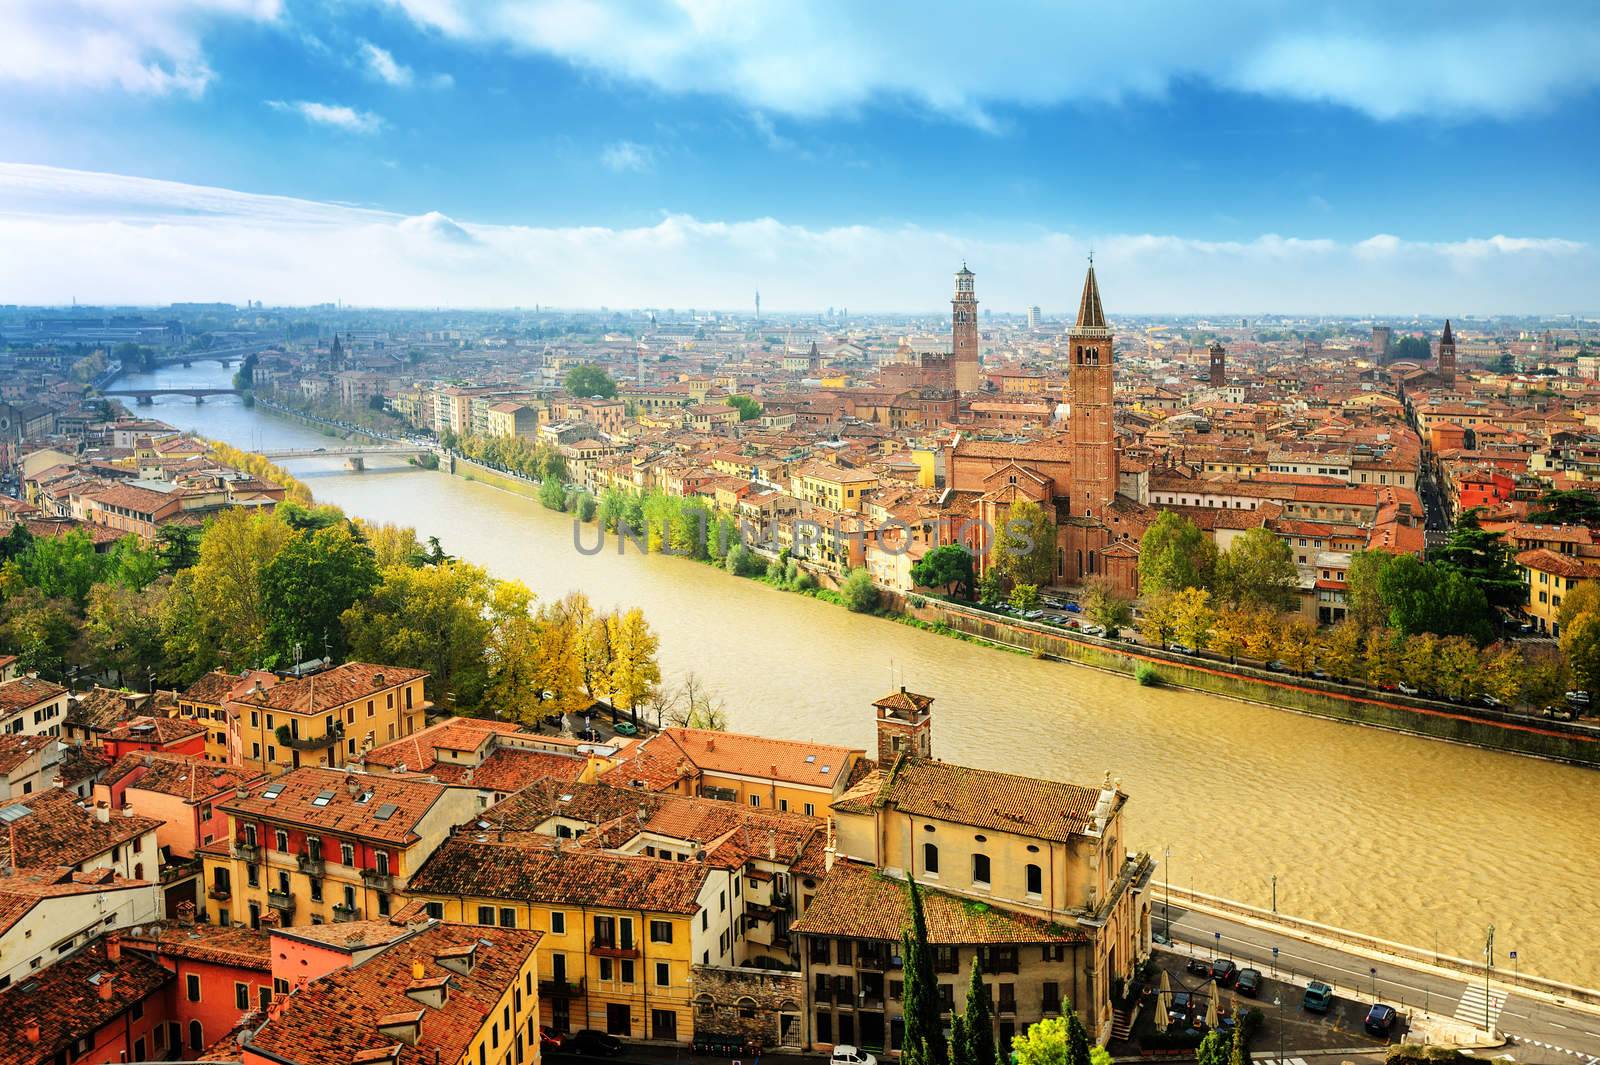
point(114, 947)
point(108, 987)
point(31, 1028)
point(711, 743)
point(102, 813)
point(185, 912)
point(352, 785)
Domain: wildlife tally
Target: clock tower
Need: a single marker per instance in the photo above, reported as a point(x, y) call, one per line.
point(1089, 388)
point(964, 332)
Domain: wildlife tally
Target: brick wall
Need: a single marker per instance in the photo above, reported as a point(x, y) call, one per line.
point(763, 1005)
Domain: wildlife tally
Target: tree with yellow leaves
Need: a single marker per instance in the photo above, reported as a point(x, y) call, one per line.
point(634, 670)
point(1192, 617)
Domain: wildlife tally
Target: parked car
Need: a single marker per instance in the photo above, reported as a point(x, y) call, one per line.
point(1224, 972)
point(1578, 700)
point(1071, 607)
point(1199, 966)
point(1093, 630)
point(594, 1043)
point(1180, 648)
point(1277, 666)
point(1319, 997)
point(1408, 689)
point(1380, 1019)
point(1491, 702)
point(1248, 982)
point(845, 1054)
point(550, 1039)
point(626, 728)
point(1557, 712)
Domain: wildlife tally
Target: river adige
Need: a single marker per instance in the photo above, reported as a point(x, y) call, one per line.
point(1398, 836)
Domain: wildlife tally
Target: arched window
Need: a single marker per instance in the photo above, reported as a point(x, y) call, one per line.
point(930, 858)
point(197, 1036)
point(747, 1007)
point(980, 869)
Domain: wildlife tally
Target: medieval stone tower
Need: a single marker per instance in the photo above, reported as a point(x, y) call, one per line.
point(1219, 364)
point(964, 332)
point(1089, 387)
point(905, 726)
point(1447, 356)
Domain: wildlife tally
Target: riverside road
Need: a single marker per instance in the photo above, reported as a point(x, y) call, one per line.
point(1536, 1030)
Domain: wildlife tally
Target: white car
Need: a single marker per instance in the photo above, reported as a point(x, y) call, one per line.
point(845, 1054)
point(1406, 689)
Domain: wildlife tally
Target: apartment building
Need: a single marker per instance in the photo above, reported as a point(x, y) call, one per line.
point(787, 776)
point(328, 718)
point(320, 845)
point(50, 912)
point(32, 707)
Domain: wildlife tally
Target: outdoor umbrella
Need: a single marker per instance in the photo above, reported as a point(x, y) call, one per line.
point(1164, 999)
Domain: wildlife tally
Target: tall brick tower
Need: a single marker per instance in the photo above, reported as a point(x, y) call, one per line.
point(1089, 387)
point(1219, 364)
point(964, 332)
point(1447, 355)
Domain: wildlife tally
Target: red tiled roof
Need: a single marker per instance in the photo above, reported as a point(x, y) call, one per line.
point(65, 1001)
point(333, 688)
point(23, 692)
point(403, 800)
point(59, 830)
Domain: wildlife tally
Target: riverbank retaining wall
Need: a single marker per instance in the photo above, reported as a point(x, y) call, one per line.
point(1555, 740)
point(464, 467)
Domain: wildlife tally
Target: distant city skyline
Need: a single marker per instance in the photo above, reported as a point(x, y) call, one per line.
point(1242, 157)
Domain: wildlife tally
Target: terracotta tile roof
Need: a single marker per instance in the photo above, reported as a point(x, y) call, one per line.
point(1543, 560)
point(218, 686)
point(58, 830)
point(656, 764)
point(905, 702)
point(531, 807)
point(982, 798)
point(511, 769)
point(858, 902)
point(238, 945)
point(24, 889)
point(330, 689)
point(158, 730)
point(15, 749)
point(24, 692)
point(534, 868)
point(401, 801)
point(815, 765)
point(417, 752)
point(99, 709)
point(64, 1000)
point(351, 936)
point(79, 764)
point(335, 1020)
point(189, 778)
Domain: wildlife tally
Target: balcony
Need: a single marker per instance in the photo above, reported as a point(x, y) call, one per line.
point(560, 988)
point(343, 913)
point(247, 852)
point(377, 881)
point(219, 892)
point(281, 901)
point(288, 739)
point(309, 864)
point(181, 869)
point(607, 949)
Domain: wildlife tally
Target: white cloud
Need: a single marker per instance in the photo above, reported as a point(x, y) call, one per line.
point(381, 64)
point(1470, 57)
point(627, 156)
point(149, 47)
point(338, 116)
point(115, 239)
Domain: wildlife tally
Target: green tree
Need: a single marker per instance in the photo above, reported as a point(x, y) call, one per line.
point(310, 583)
point(948, 566)
point(1175, 554)
point(433, 618)
point(122, 630)
point(553, 495)
point(1158, 620)
point(1258, 570)
point(1580, 642)
point(1213, 1049)
point(39, 630)
point(588, 381)
point(1483, 559)
point(1341, 651)
point(858, 591)
point(1105, 606)
point(924, 1042)
point(131, 564)
point(63, 567)
point(1362, 592)
point(512, 687)
point(973, 1043)
point(216, 613)
point(1025, 597)
point(749, 409)
point(1024, 550)
point(1566, 507)
point(990, 588)
point(1422, 597)
point(15, 543)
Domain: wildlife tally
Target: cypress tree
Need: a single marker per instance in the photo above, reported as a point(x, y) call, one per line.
point(924, 1032)
point(1077, 1037)
point(974, 1043)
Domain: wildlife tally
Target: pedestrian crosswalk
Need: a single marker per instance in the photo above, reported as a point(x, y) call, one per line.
point(1479, 1008)
point(1280, 1061)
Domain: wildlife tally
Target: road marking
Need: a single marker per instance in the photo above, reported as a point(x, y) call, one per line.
point(1479, 1009)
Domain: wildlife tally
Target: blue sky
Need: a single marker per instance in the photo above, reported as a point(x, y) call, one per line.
point(1248, 155)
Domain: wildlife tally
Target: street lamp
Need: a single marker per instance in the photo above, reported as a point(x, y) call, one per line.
point(1166, 867)
point(1374, 971)
point(1274, 892)
point(1219, 943)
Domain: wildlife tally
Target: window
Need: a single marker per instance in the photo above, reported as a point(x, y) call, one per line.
point(264, 996)
point(661, 931)
point(316, 888)
point(193, 987)
point(663, 974)
point(930, 858)
point(605, 968)
point(197, 1036)
point(347, 854)
point(486, 915)
point(811, 809)
point(755, 800)
point(980, 869)
point(844, 951)
point(241, 996)
point(280, 840)
point(508, 917)
point(1035, 880)
point(383, 904)
point(627, 971)
point(1052, 997)
point(558, 923)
